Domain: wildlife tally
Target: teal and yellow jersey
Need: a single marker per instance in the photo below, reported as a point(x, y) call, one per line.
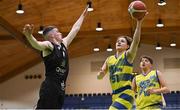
point(120, 74)
point(143, 83)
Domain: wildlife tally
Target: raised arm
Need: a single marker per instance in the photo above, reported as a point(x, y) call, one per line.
point(103, 71)
point(163, 88)
point(27, 31)
point(75, 29)
point(131, 53)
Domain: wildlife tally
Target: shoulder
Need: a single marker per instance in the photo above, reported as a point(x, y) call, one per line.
point(110, 58)
point(47, 42)
point(64, 42)
point(135, 75)
point(48, 45)
point(138, 75)
point(155, 71)
point(159, 73)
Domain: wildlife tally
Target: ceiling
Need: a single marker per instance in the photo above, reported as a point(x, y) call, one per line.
point(17, 56)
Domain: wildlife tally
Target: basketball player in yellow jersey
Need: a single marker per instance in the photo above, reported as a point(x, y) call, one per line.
point(149, 86)
point(119, 67)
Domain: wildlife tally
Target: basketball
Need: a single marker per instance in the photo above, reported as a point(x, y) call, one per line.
point(137, 9)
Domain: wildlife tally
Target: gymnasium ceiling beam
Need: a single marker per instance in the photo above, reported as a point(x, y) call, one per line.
point(20, 37)
point(95, 34)
point(13, 31)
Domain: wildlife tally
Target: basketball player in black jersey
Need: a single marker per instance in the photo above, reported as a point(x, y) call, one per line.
point(55, 57)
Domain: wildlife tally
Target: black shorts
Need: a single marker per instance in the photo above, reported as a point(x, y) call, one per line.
point(50, 96)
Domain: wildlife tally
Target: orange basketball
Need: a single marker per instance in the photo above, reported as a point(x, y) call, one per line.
point(137, 9)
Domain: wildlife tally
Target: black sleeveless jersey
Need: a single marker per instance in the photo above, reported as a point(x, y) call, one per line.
point(57, 65)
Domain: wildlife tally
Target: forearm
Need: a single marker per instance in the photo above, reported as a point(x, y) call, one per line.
point(162, 90)
point(77, 25)
point(137, 33)
point(134, 46)
point(79, 22)
point(33, 42)
point(75, 29)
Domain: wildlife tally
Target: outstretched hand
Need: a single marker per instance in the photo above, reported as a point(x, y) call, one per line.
point(85, 11)
point(28, 29)
point(140, 20)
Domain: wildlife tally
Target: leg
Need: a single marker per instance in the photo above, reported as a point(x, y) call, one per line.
point(50, 97)
point(50, 102)
point(122, 101)
point(60, 101)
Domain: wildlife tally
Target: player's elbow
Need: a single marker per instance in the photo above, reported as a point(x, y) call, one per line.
point(168, 90)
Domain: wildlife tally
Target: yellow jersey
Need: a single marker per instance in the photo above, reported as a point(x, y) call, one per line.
point(120, 75)
point(143, 83)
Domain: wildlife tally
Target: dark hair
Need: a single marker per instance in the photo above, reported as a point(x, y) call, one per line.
point(147, 57)
point(47, 29)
